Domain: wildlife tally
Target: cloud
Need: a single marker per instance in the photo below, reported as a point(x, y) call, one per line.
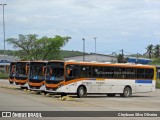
point(113, 22)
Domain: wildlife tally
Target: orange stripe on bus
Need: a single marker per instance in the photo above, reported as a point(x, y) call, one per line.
point(11, 80)
point(36, 84)
point(54, 85)
point(20, 81)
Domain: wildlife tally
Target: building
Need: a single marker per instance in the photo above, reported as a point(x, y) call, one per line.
point(5, 61)
point(138, 60)
point(94, 57)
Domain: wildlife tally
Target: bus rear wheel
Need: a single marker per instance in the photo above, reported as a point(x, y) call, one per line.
point(127, 92)
point(81, 92)
point(10, 82)
point(111, 94)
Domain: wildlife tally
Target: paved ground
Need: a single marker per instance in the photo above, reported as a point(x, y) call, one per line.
point(14, 99)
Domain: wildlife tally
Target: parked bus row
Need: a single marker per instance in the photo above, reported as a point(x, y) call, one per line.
point(82, 78)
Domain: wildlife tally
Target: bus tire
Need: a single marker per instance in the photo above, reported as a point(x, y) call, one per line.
point(45, 92)
point(10, 82)
point(38, 92)
point(81, 91)
point(111, 94)
point(22, 87)
point(63, 94)
point(127, 92)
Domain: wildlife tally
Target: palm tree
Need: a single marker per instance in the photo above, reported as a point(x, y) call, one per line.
point(157, 51)
point(150, 50)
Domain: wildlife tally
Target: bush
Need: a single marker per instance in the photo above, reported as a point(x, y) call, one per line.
point(3, 76)
point(158, 84)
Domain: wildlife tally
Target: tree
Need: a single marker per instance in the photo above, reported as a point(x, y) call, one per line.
point(150, 50)
point(157, 51)
point(121, 59)
point(32, 48)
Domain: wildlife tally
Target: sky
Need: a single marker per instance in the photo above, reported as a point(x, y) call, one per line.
point(130, 25)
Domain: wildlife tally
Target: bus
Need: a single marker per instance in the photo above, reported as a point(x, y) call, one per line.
point(54, 74)
point(21, 75)
point(12, 71)
point(82, 78)
point(37, 75)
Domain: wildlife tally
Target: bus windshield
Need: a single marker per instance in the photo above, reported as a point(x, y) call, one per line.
point(36, 71)
point(12, 69)
point(21, 70)
point(55, 71)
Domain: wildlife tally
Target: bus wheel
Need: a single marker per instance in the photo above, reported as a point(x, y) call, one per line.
point(111, 95)
point(127, 92)
point(38, 93)
point(22, 87)
point(10, 82)
point(44, 92)
point(63, 94)
point(81, 91)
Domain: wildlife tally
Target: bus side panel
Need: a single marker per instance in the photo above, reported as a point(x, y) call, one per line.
point(117, 86)
point(145, 85)
point(108, 86)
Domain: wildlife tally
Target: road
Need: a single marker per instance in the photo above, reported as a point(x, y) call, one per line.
point(14, 99)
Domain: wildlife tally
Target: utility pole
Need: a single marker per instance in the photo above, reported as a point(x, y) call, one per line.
point(122, 56)
point(137, 58)
point(95, 48)
point(4, 39)
point(83, 49)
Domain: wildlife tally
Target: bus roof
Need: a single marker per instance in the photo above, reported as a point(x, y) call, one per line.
point(109, 64)
point(22, 61)
point(56, 61)
point(39, 61)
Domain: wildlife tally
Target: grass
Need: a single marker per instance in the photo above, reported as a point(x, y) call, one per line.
point(158, 84)
point(3, 76)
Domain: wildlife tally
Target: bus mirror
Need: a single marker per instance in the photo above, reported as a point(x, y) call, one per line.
point(27, 69)
point(68, 71)
point(7, 68)
point(13, 67)
point(43, 70)
point(50, 71)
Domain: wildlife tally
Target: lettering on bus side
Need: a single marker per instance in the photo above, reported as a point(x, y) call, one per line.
point(110, 72)
point(99, 82)
point(87, 83)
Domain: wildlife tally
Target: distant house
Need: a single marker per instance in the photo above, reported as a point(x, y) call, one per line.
point(5, 61)
point(94, 57)
point(138, 60)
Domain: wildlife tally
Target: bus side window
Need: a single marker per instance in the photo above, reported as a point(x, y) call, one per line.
point(130, 73)
point(108, 72)
point(85, 71)
point(140, 73)
point(97, 72)
point(149, 73)
point(72, 71)
point(118, 72)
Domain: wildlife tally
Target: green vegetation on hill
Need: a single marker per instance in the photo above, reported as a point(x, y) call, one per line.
point(8, 52)
point(66, 53)
point(155, 62)
point(63, 53)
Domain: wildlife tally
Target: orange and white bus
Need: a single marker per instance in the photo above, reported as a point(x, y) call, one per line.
point(12, 72)
point(84, 78)
point(54, 74)
point(21, 76)
point(36, 75)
